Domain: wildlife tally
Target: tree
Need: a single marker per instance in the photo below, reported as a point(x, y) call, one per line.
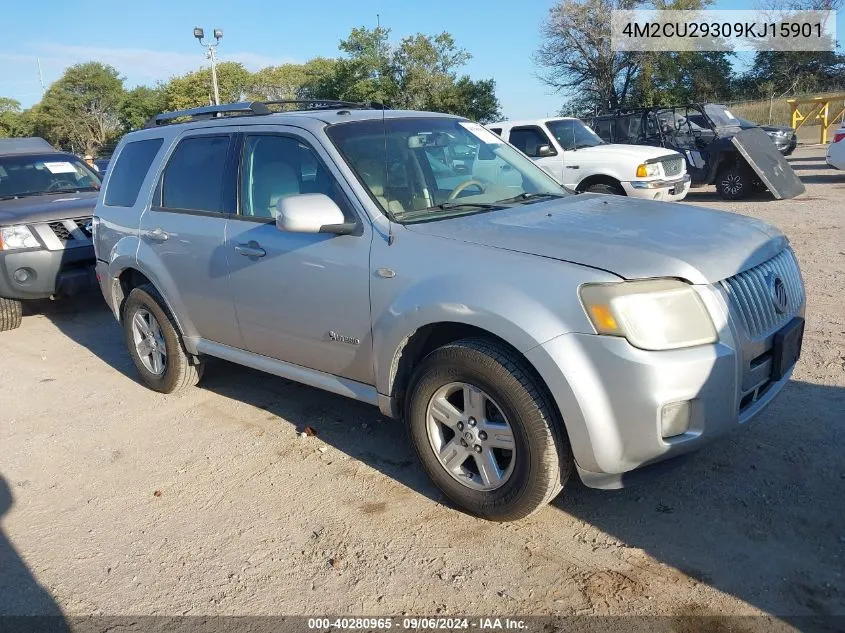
point(80, 110)
point(475, 100)
point(195, 89)
point(139, 105)
point(683, 77)
point(576, 52)
point(10, 112)
point(277, 82)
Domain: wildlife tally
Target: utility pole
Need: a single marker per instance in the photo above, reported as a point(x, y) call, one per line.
point(40, 76)
point(211, 54)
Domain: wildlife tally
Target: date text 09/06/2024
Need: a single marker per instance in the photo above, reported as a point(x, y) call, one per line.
point(417, 623)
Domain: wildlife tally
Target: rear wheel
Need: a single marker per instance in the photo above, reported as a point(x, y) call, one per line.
point(735, 182)
point(155, 344)
point(11, 313)
point(485, 432)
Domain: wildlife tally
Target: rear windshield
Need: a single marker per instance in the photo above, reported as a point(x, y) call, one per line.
point(25, 175)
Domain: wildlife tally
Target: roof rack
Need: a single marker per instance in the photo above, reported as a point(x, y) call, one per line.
point(208, 112)
point(326, 104)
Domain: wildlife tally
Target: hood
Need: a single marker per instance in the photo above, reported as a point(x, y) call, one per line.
point(615, 151)
point(777, 128)
point(632, 238)
point(48, 208)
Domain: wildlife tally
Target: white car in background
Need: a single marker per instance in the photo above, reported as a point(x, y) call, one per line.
point(836, 150)
point(577, 157)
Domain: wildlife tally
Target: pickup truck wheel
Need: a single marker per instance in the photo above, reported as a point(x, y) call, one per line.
point(154, 343)
point(735, 182)
point(485, 432)
point(602, 187)
point(10, 314)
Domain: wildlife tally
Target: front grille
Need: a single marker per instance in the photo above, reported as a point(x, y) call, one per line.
point(70, 230)
point(673, 166)
point(751, 294)
point(60, 230)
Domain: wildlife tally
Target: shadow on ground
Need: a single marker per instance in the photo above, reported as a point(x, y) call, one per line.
point(20, 593)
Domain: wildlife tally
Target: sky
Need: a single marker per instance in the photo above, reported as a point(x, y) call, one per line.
point(152, 40)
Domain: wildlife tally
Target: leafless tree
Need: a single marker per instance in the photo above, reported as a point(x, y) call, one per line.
point(576, 53)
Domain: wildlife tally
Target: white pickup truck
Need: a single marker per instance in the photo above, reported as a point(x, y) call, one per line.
point(576, 157)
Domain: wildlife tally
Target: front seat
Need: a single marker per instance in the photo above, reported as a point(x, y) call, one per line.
point(272, 182)
point(373, 173)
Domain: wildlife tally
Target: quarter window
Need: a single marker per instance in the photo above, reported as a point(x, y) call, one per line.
point(275, 167)
point(194, 177)
point(129, 172)
point(529, 140)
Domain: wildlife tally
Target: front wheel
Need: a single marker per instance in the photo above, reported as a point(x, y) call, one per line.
point(485, 432)
point(735, 182)
point(11, 313)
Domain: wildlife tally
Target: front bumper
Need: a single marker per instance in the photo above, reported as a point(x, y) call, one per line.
point(38, 273)
point(611, 396)
point(672, 189)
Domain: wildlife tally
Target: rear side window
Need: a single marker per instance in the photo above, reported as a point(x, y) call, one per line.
point(194, 177)
point(496, 130)
point(129, 172)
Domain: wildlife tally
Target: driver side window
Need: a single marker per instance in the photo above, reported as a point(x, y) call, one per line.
point(275, 167)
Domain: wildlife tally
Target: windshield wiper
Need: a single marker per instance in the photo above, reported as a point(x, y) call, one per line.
point(450, 205)
point(530, 195)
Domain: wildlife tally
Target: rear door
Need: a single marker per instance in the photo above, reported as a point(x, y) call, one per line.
point(301, 298)
point(182, 233)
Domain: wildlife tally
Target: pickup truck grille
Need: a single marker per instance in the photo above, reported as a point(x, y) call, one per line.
point(673, 165)
point(752, 294)
point(70, 230)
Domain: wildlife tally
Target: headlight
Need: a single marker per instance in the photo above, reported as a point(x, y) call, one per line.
point(656, 314)
point(12, 237)
point(648, 169)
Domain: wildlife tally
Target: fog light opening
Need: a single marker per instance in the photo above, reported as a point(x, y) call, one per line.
point(675, 418)
point(23, 275)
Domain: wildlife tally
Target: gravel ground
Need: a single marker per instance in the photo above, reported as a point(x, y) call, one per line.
point(117, 500)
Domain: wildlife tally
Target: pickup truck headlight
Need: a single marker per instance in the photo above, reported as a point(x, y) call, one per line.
point(14, 237)
point(645, 170)
point(656, 314)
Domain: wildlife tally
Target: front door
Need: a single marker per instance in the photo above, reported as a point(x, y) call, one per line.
point(530, 140)
point(301, 298)
point(182, 235)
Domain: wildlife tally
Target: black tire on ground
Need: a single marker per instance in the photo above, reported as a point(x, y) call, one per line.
point(10, 314)
point(542, 457)
point(180, 370)
point(602, 187)
point(735, 182)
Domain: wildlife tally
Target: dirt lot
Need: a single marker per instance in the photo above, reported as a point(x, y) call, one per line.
point(117, 500)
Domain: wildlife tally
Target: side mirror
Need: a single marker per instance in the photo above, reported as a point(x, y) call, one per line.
point(545, 150)
point(312, 213)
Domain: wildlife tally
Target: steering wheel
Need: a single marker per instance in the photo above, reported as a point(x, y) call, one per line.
point(464, 185)
point(60, 184)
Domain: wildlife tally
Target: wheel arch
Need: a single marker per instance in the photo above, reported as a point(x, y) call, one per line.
point(427, 338)
point(600, 179)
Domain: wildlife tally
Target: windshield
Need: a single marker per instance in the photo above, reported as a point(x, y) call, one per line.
point(32, 175)
point(425, 168)
point(573, 134)
point(720, 115)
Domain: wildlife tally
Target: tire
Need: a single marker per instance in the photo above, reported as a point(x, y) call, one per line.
point(178, 370)
point(605, 188)
point(735, 182)
point(537, 467)
point(11, 313)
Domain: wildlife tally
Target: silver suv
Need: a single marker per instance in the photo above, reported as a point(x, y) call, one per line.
point(417, 262)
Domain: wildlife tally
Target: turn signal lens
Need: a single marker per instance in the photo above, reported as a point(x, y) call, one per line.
point(642, 172)
point(603, 318)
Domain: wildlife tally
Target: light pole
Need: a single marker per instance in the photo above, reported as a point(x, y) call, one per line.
point(211, 54)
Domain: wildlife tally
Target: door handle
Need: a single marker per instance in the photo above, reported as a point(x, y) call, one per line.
point(252, 249)
point(157, 235)
point(573, 166)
